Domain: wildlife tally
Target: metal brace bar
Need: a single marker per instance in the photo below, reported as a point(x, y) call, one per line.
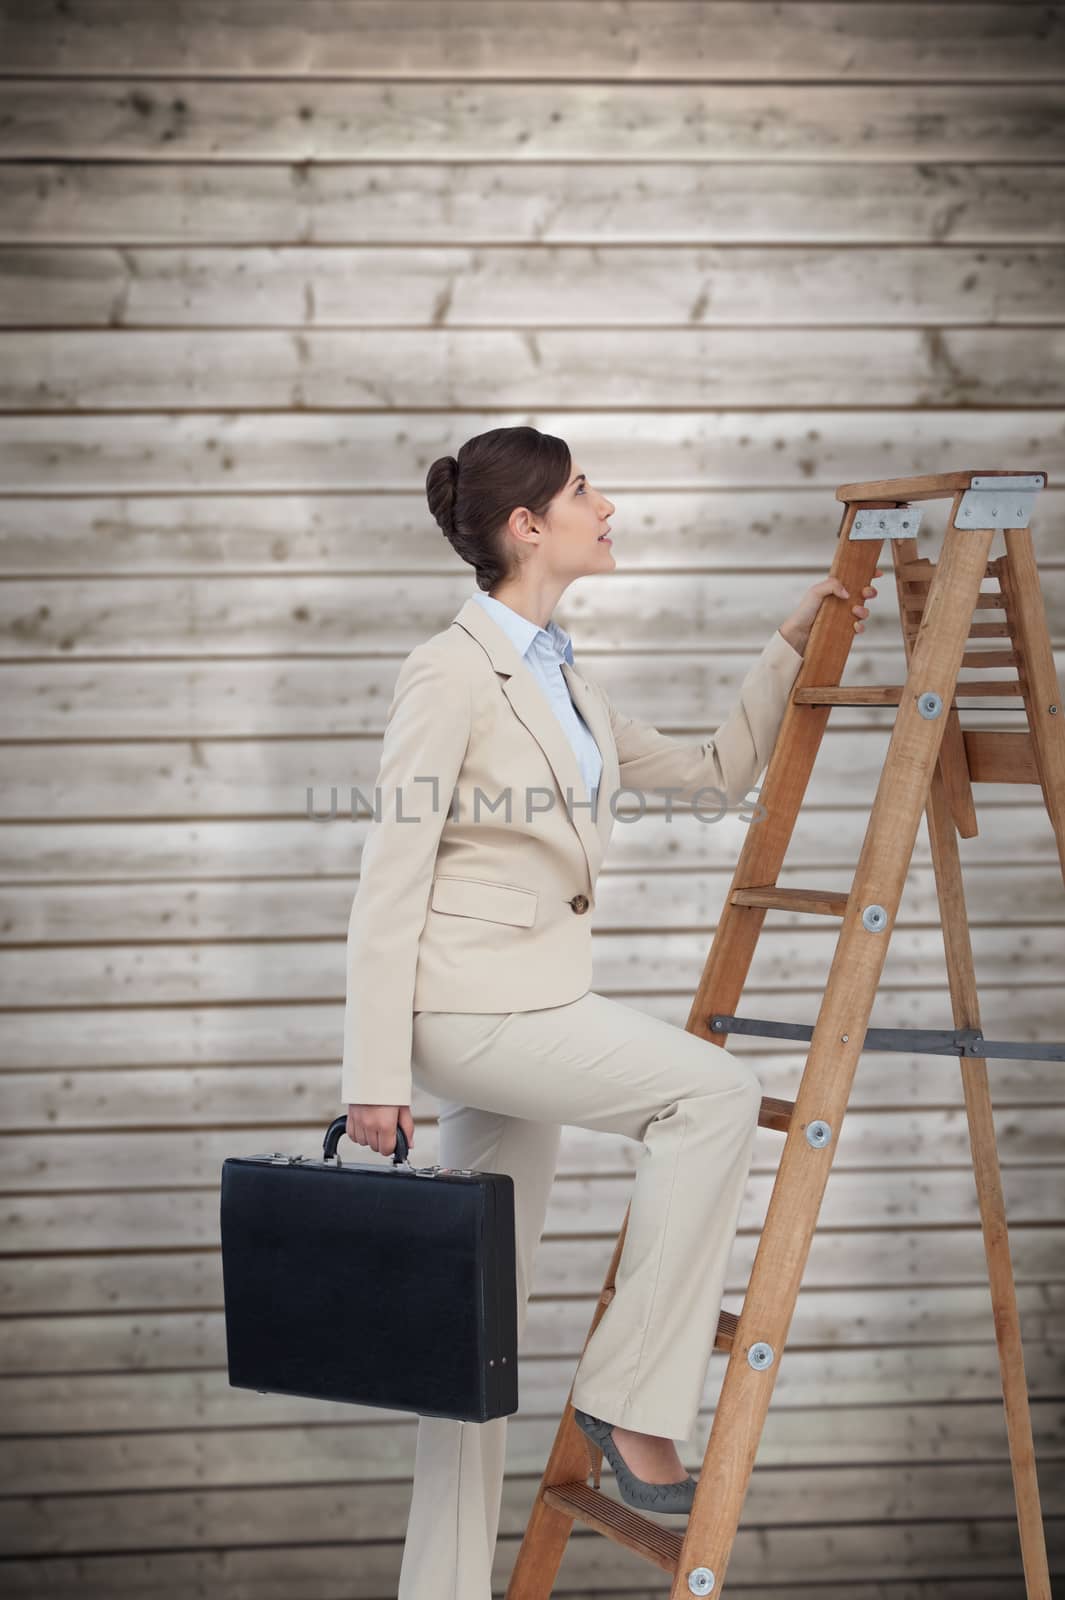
point(923, 1041)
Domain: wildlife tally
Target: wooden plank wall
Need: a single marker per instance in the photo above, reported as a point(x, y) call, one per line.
point(261, 263)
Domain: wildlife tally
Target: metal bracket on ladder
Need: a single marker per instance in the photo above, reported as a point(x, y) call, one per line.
point(1002, 502)
point(886, 522)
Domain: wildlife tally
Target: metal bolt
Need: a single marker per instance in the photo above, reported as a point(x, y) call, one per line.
point(760, 1355)
point(929, 705)
point(1053, 710)
point(701, 1580)
point(844, 1037)
point(818, 1134)
point(874, 918)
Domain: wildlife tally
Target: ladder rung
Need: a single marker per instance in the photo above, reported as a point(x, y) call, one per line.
point(636, 1532)
point(775, 1114)
point(919, 587)
point(921, 572)
point(889, 694)
point(819, 902)
point(997, 755)
point(727, 1323)
point(984, 660)
point(997, 688)
point(993, 600)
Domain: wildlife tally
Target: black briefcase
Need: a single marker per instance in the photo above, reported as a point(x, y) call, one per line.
point(381, 1285)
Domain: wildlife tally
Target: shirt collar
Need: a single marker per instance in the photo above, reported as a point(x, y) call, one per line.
point(521, 632)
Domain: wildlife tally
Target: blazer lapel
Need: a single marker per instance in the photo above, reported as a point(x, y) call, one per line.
point(531, 705)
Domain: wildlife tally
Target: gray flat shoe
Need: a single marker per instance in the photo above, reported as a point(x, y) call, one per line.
point(635, 1492)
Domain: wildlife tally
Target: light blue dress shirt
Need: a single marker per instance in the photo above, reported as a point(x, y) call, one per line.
point(543, 650)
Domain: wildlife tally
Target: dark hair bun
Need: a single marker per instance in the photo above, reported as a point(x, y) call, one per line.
point(441, 485)
point(501, 469)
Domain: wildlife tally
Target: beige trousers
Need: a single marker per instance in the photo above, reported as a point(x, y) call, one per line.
point(507, 1082)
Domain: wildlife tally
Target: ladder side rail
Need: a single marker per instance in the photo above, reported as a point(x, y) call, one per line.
point(953, 761)
point(942, 818)
point(965, 1006)
point(784, 786)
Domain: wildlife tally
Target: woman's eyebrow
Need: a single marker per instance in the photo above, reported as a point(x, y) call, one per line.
point(577, 479)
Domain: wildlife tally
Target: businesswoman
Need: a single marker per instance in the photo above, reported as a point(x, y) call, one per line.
point(469, 966)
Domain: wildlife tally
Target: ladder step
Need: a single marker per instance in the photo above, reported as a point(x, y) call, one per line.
point(990, 600)
point(889, 694)
point(727, 1323)
point(775, 1114)
point(654, 1541)
point(922, 571)
point(641, 1534)
point(985, 660)
point(998, 755)
point(819, 902)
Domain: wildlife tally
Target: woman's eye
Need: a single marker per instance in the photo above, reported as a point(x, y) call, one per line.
point(580, 488)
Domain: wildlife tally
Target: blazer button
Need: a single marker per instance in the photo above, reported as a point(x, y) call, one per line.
point(579, 902)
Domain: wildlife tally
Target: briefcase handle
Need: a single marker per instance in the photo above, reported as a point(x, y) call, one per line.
point(338, 1126)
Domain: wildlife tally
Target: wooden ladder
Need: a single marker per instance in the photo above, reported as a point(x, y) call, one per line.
point(931, 764)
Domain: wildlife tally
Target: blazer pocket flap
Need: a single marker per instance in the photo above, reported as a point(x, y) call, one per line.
point(477, 897)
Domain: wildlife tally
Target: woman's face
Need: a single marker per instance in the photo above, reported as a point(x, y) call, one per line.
point(577, 518)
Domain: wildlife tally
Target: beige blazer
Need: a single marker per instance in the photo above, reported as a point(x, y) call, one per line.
point(478, 874)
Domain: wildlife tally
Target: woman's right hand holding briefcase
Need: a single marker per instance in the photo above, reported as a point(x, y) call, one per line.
point(376, 1126)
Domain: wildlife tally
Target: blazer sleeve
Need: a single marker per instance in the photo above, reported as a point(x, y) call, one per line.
point(427, 731)
point(733, 759)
